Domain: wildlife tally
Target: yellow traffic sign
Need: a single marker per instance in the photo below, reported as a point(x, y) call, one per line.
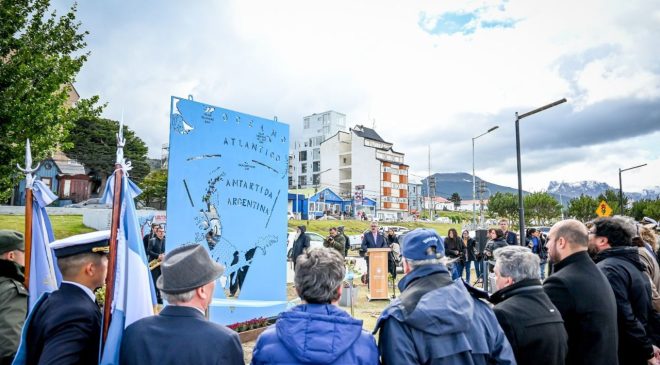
point(603, 209)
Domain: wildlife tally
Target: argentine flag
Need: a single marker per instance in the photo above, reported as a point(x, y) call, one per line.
point(45, 276)
point(134, 296)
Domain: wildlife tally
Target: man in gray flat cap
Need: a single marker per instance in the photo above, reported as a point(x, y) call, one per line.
point(180, 334)
point(13, 294)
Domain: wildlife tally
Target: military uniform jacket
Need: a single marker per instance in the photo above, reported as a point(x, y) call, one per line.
point(13, 308)
point(64, 328)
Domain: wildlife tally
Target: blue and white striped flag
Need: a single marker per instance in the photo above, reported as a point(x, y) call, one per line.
point(134, 296)
point(45, 276)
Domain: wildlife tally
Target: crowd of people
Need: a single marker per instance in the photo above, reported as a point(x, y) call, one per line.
point(597, 306)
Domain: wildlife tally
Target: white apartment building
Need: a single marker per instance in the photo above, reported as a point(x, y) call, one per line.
point(415, 197)
point(306, 160)
point(361, 158)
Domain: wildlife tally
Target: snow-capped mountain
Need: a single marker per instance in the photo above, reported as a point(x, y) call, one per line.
point(575, 189)
point(595, 188)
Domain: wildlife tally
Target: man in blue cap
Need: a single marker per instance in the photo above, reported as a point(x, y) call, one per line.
point(436, 320)
point(65, 326)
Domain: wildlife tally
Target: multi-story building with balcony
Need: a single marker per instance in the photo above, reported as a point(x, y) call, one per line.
point(415, 197)
point(306, 160)
point(360, 161)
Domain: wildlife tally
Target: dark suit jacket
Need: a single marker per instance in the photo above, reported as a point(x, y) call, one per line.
point(586, 302)
point(179, 335)
point(65, 329)
point(155, 248)
point(368, 241)
point(511, 238)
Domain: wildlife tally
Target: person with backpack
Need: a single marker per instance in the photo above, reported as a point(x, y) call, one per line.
point(536, 243)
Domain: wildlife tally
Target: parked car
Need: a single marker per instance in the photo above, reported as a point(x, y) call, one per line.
point(398, 230)
point(94, 203)
point(543, 229)
point(315, 240)
point(443, 220)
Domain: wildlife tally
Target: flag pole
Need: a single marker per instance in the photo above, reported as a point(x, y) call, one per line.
point(114, 228)
point(28, 170)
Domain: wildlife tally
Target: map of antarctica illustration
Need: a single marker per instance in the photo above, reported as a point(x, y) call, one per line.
point(227, 190)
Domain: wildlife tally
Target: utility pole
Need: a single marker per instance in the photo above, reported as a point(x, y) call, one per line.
point(431, 203)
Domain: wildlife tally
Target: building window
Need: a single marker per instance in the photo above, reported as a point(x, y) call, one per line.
point(303, 168)
point(302, 156)
point(316, 178)
point(306, 123)
point(316, 166)
point(302, 180)
point(316, 154)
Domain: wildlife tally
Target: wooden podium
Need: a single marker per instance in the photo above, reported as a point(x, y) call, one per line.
point(378, 273)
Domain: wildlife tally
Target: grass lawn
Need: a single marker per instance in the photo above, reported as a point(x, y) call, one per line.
point(63, 225)
point(355, 227)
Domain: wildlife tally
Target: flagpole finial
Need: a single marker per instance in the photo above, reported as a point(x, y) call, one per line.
point(28, 170)
point(121, 141)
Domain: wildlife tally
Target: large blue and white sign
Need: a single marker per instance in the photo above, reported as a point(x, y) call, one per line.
point(227, 190)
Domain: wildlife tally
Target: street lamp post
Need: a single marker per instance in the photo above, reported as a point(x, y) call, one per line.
point(621, 187)
point(474, 186)
point(521, 207)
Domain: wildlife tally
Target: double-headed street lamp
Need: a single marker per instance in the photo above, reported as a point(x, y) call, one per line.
point(474, 186)
point(521, 207)
point(621, 187)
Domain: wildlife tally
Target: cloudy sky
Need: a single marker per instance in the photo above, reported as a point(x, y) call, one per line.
point(425, 73)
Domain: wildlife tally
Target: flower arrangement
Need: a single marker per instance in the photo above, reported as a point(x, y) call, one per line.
point(100, 296)
point(251, 324)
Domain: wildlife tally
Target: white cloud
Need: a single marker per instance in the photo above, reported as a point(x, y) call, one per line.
point(372, 61)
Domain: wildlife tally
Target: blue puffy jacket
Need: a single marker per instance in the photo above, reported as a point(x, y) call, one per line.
point(315, 334)
point(437, 321)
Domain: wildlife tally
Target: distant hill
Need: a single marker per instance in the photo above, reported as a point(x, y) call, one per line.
point(461, 183)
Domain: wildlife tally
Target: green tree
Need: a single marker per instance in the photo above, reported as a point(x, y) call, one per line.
point(646, 208)
point(456, 199)
point(542, 207)
point(154, 189)
point(40, 56)
point(94, 144)
point(583, 208)
point(505, 205)
point(612, 199)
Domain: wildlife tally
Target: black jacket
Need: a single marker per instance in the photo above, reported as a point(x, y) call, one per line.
point(586, 302)
point(155, 248)
point(455, 248)
point(179, 335)
point(638, 322)
point(299, 245)
point(493, 245)
point(65, 328)
point(472, 249)
point(541, 250)
point(531, 323)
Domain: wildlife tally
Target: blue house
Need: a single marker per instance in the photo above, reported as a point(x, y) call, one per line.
point(65, 177)
point(327, 202)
